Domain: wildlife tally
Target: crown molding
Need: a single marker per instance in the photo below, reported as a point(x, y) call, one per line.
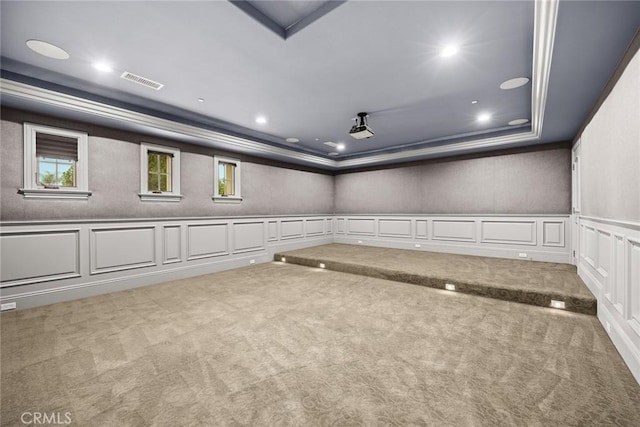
point(545, 17)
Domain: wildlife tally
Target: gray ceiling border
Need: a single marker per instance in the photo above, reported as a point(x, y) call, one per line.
point(544, 34)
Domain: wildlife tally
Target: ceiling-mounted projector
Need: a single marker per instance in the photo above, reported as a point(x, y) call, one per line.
point(360, 130)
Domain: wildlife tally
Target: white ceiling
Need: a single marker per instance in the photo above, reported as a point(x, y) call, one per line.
point(374, 56)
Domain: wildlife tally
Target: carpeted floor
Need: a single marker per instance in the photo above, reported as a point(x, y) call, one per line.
point(535, 283)
point(280, 344)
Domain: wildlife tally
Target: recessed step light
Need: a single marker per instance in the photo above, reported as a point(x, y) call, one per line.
point(557, 304)
point(450, 287)
point(47, 49)
point(134, 78)
point(514, 83)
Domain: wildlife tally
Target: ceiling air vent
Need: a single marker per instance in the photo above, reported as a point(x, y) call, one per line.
point(141, 80)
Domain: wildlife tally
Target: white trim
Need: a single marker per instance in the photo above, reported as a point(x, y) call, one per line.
point(237, 178)
point(42, 193)
point(169, 196)
point(31, 189)
point(544, 34)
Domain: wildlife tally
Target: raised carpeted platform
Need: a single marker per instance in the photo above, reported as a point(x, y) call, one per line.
point(534, 283)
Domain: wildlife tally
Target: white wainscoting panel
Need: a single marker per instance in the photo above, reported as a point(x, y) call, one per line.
point(553, 233)
point(395, 228)
point(31, 257)
point(634, 283)
point(510, 232)
point(330, 225)
point(207, 240)
point(272, 235)
point(616, 295)
point(609, 264)
point(421, 229)
point(454, 230)
point(172, 248)
point(53, 261)
point(292, 229)
point(315, 227)
point(500, 236)
point(361, 226)
point(122, 248)
point(248, 236)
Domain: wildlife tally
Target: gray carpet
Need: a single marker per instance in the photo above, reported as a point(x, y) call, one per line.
point(279, 344)
point(535, 283)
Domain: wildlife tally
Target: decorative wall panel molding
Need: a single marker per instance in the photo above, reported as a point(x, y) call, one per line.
point(122, 248)
point(361, 226)
point(609, 264)
point(248, 237)
point(395, 228)
point(315, 227)
point(510, 232)
point(38, 256)
point(272, 234)
point(291, 229)
point(207, 240)
point(454, 230)
point(421, 229)
point(501, 236)
point(52, 261)
point(172, 249)
point(553, 233)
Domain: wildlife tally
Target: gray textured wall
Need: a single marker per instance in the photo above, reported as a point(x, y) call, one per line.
point(114, 179)
point(610, 152)
point(536, 182)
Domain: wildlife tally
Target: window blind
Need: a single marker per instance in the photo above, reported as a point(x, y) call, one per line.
point(56, 147)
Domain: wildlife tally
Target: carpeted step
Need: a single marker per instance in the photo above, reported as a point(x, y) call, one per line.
point(510, 280)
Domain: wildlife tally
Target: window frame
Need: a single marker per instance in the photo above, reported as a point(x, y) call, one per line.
point(30, 186)
point(237, 178)
point(166, 196)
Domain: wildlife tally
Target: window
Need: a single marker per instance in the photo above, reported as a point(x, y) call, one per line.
point(160, 173)
point(55, 163)
point(227, 180)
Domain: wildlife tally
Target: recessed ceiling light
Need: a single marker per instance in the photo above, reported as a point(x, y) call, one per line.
point(449, 50)
point(330, 144)
point(484, 117)
point(475, 101)
point(518, 122)
point(334, 153)
point(340, 146)
point(47, 49)
point(102, 66)
point(261, 120)
point(292, 140)
point(514, 83)
point(200, 99)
